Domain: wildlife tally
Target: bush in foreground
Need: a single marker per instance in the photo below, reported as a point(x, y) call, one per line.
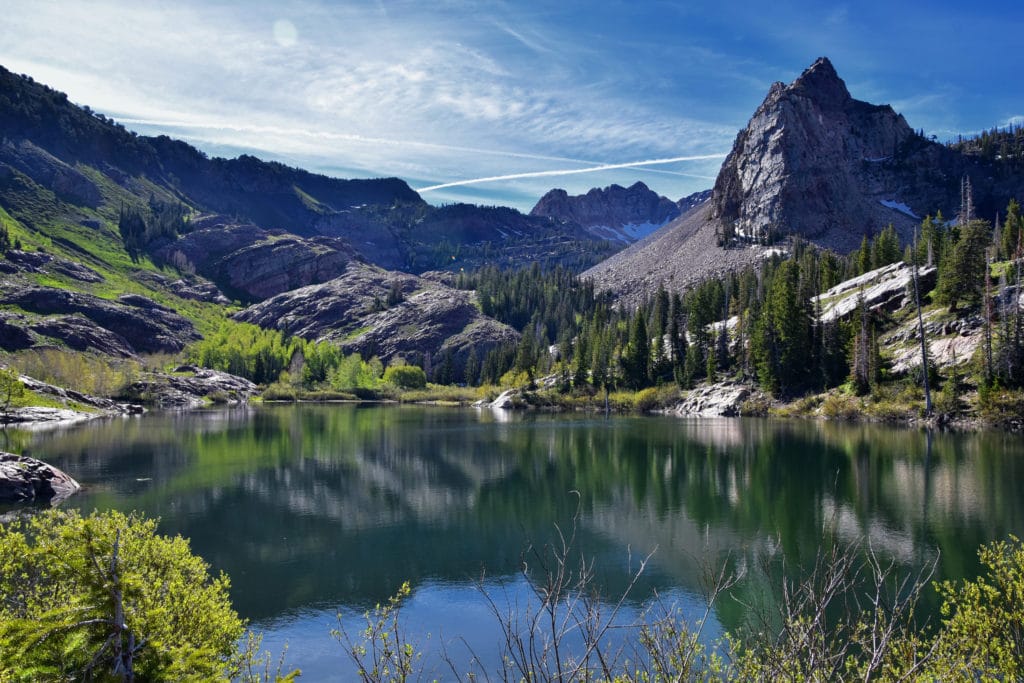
point(105, 597)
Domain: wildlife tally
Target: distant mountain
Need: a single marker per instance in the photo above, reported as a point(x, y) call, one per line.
point(812, 162)
point(58, 159)
point(615, 213)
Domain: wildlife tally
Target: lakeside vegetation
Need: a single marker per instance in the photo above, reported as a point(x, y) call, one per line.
point(105, 597)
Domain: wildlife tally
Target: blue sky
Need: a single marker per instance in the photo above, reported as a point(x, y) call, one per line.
point(448, 91)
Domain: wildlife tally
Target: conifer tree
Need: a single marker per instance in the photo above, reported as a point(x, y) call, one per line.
point(637, 355)
point(962, 271)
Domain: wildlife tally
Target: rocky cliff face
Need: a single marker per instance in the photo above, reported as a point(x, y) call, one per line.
point(352, 310)
point(623, 214)
point(252, 263)
point(132, 324)
point(813, 161)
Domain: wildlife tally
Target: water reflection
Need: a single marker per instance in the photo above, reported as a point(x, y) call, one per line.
point(320, 507)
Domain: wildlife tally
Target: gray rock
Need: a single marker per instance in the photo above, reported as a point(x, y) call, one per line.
point(883, 288)
point(151, 328)
point(723, 399)
point(253, 263)
point(613, 213)
point(27, 480)
point(351, 310)
point(191, 387)
point(40, 262)
point(677, 256)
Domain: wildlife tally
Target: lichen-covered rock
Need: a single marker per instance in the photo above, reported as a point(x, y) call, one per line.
point(27, 480)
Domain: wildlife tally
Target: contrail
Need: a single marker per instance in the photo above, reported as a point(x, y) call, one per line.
point(568, 171)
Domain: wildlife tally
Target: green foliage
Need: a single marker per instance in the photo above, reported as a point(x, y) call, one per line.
point(406, 376)
point(352, 372)
point(381, 651)
point(95, 597)
point(86, 373)
point(11, 389)
point(982, 636)
point(962, 269)
point(5, 239)
point(1011, 243)
point(247, 351)
point(885, 248)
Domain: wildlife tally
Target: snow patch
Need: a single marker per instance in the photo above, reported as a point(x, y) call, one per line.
point(899, 206)
point(627, 234)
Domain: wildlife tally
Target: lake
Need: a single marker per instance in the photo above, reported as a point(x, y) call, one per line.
point(316, 510)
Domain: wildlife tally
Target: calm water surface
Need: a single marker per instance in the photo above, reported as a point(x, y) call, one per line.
point(316, 510)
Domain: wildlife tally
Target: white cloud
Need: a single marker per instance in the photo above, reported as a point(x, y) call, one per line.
point(396, 91)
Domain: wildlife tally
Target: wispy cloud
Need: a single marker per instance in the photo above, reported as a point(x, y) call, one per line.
point(437, 93)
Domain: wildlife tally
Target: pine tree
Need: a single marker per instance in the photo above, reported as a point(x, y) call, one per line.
point(860, 363)
point(962, 271)
point(863, 259)
point(1011, 230)
point(636, 358)
point(471, 374)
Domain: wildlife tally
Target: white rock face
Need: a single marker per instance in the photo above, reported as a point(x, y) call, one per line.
point(815, 162)
point(882, 288)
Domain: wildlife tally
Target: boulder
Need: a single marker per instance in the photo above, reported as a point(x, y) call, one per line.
point(723, 399)
point(27, 480)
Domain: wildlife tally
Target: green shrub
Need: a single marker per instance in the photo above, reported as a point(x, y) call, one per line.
point(83, 372)
point(839, 406)
point(406, 376)
point(982, 635)
point(88, 597)
point(279, 392)
point(647, 400)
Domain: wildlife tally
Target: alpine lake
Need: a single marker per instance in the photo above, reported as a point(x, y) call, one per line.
point(320, 512)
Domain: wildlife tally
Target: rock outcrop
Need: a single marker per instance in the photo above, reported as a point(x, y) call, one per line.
point(137, 324)
point(27, 480)
point(16, 261)
point(353, 311)
point(724, 399)
point(614, 213)
point(191, 387)
point(812, 162)
point(888, 288)
point(253, 263)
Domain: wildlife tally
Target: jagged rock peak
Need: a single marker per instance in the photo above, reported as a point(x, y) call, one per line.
point(821, 83)
point(611, 207)
point(814, 161)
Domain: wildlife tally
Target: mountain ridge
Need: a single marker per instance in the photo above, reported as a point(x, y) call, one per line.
point(817, 164)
